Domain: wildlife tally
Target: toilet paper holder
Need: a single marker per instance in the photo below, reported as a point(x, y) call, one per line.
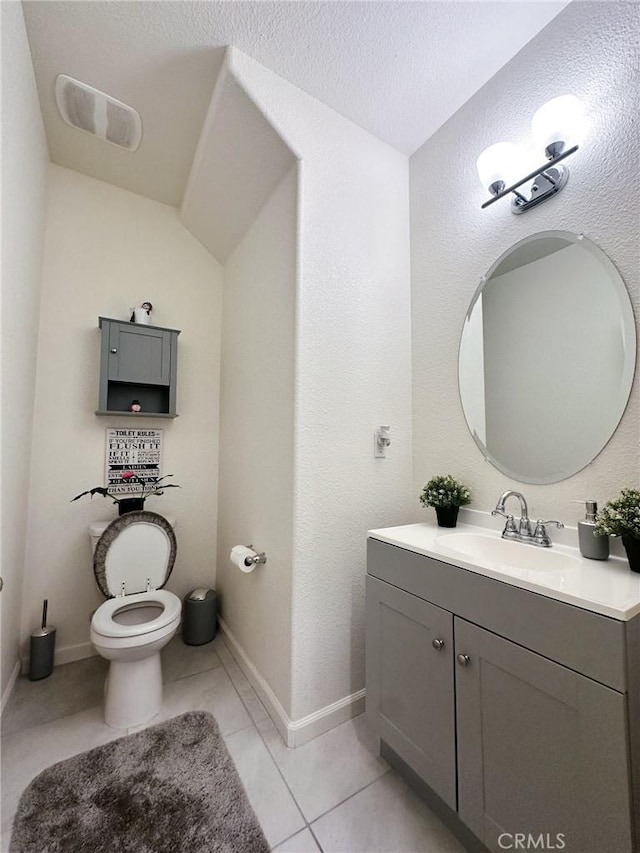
point(259, 559)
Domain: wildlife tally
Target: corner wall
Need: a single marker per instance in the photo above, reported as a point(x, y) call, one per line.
point(107, 249)
point(589, 50)
point(352, 374)
point(24, 175)
point(256, 436)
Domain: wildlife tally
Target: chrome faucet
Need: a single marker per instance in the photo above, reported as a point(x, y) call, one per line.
point(523, 532)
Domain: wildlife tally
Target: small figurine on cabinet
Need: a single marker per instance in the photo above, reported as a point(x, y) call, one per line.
point(141, 314)
point(135, 406)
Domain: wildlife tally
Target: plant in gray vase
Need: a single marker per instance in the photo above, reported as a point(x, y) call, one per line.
point(621, 517)
point(131, 503)
point(446, 495)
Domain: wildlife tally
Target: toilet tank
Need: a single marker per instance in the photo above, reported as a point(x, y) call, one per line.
point(97, 528)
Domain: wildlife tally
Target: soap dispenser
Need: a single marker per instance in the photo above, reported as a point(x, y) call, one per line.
point(592, 545)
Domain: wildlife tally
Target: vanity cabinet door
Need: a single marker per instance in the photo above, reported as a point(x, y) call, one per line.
point(541, 749)
point(410, 695)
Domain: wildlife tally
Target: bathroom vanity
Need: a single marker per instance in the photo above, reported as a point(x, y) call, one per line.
point(506, 685)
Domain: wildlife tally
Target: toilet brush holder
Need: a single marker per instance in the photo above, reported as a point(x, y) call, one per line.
point(42, 648)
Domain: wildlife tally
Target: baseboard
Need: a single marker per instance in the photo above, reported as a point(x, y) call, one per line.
point(6, 693)
point(293, 732)
point(306, 728)
point(258, 682)
point(66, 654)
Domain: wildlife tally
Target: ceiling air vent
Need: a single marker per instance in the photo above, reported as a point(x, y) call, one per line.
point(93, 111)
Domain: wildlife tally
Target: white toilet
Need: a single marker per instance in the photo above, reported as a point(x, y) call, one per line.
point(133, 558)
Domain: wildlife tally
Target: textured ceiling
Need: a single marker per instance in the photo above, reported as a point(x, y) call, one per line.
point(398, 69)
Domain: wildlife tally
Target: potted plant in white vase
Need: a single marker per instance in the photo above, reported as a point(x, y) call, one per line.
point(446, 495)
point(621, 517)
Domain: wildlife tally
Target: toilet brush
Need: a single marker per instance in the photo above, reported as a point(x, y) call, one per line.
point(43, 644)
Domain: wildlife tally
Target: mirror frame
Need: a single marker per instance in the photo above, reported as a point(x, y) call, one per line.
point(629, 323)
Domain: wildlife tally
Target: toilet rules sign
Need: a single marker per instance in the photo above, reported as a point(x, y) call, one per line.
point(137, 450)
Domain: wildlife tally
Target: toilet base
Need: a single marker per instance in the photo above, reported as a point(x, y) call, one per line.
point(133, 692)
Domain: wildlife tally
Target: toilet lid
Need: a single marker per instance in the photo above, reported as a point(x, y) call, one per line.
point(137, 550)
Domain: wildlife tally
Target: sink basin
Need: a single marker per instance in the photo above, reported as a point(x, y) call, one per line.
point(504, 552)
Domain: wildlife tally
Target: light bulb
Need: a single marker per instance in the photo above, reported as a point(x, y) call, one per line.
point(498, 166)
point(558, 124)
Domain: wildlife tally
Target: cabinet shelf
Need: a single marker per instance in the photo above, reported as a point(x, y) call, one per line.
point(135, 414)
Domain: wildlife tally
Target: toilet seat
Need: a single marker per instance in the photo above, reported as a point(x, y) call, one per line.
point(103, 622)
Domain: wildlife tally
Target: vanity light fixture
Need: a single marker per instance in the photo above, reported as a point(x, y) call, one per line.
point(556, 128)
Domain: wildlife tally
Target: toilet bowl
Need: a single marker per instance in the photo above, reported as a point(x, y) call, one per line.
point(133, 558)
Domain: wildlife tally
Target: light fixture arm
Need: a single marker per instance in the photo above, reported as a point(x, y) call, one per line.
point(554, 178)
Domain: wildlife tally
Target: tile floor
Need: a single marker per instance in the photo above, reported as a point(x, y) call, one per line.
point(331, 794)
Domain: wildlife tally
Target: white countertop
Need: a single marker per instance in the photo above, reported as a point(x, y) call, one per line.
point(608, 586)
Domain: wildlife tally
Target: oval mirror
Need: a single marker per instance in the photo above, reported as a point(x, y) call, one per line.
point(547, 357)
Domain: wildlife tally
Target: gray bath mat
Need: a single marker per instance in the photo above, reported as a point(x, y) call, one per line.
point(171, 788)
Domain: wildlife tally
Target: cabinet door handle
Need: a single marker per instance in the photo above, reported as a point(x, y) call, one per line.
point(437, 643)
point(114, 350)
point(463, 660)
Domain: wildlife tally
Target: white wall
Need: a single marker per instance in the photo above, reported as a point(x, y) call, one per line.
point(107, 249)
point(590, 50)
point(352, 374)
point(256, 436)
point(24, 172)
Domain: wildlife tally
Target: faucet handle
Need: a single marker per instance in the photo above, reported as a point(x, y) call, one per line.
point(540, 522)
point(510, 530)
point(540, 535)
point(501, 512)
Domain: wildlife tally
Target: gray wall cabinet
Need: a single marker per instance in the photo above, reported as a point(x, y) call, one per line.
point(138, 362)
point(508, 740)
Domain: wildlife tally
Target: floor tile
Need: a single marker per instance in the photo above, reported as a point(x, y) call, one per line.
point(71, 688)
point(208, 691)
point(303, 842)
point(240, 681)
point(254, 706)
point(386, 817)
point(222, 649)
point(328, 769)
point(180, 660)
point(26, 753)
point(248, 695)
point(274, 806)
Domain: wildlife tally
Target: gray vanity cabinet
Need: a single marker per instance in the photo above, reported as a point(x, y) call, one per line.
point(138, 362)
point(500, 738)
point(410, 682)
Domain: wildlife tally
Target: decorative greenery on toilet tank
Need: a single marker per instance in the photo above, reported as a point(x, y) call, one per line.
point(149, 487)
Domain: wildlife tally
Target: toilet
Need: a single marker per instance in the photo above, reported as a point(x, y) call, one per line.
point(133, 557)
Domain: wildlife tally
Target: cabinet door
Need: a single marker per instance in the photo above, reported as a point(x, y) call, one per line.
point(541, 749)
point(140, 354)
point(410, 699)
